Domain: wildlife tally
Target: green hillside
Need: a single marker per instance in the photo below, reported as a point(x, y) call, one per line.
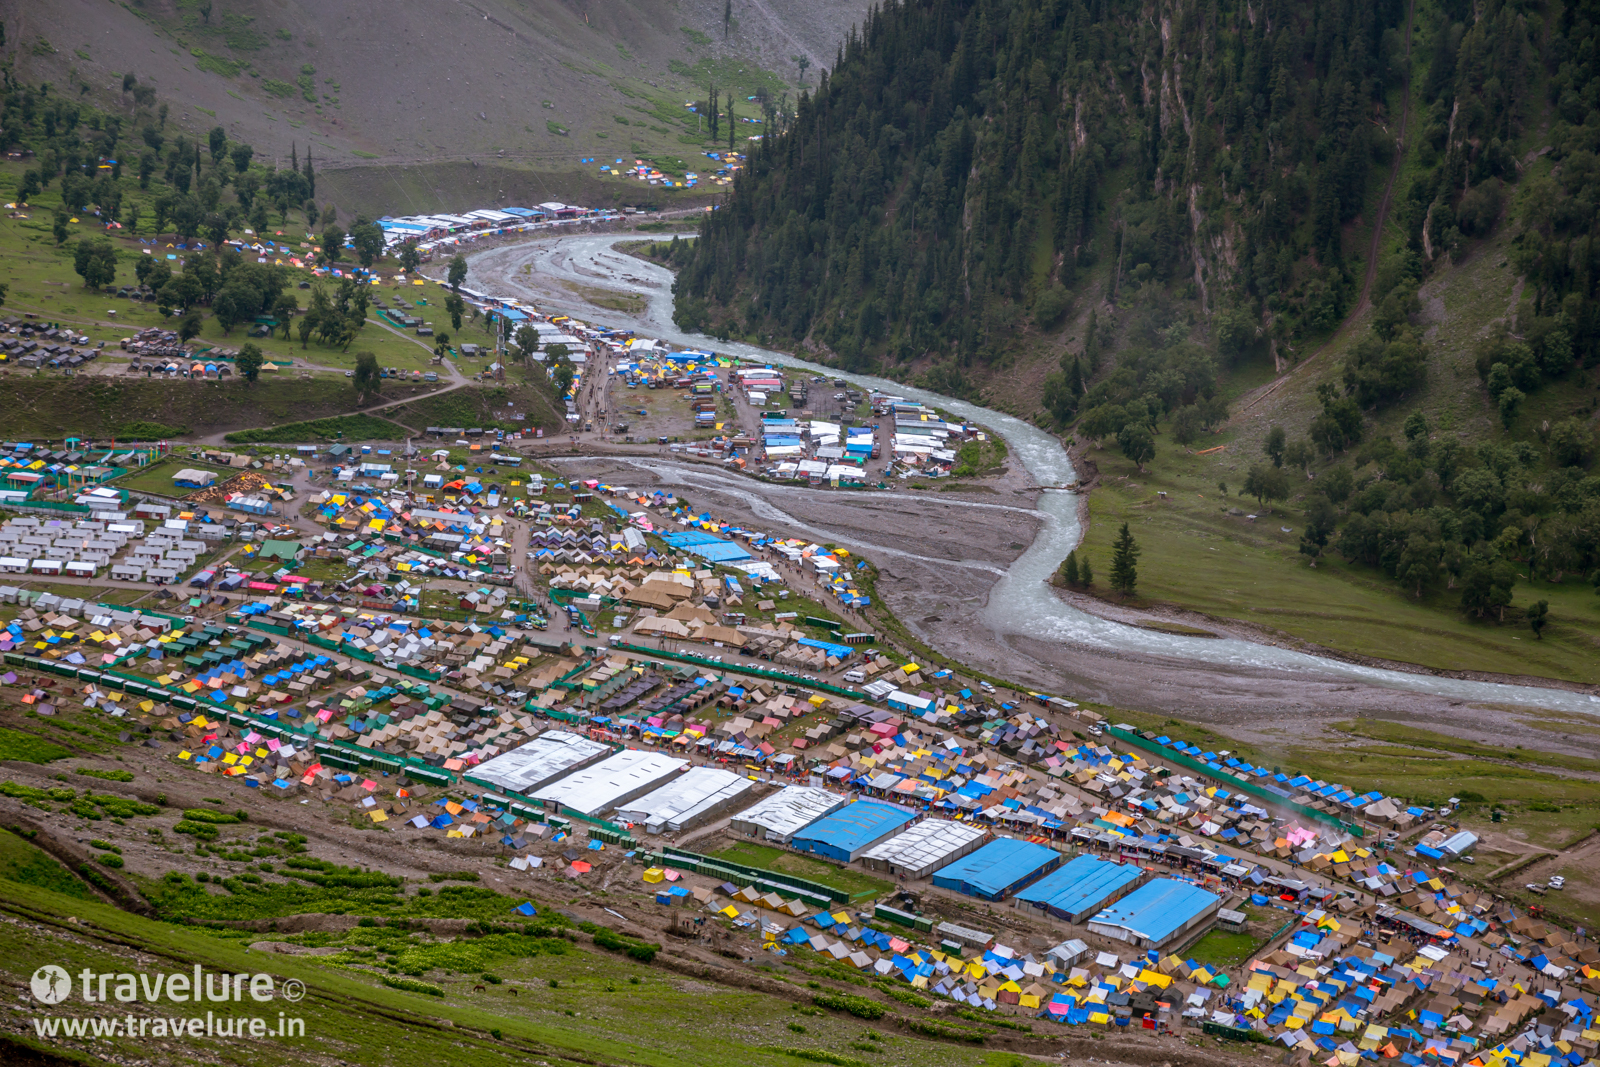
point(109, 205)
point(1349, 242)
point(529, 89)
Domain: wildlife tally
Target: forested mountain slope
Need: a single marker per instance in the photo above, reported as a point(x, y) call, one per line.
point(969, 159)
point(1128, 218)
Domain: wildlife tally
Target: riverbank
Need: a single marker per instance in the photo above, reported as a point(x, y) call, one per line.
point(962, 590)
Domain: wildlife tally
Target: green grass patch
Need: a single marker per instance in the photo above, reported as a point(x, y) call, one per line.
point(860, 1007)
point(109, 776)
point(14, 744)
point(1197, 556)
point(1383, 730)
point(30, 865)
point(145, 430)
point(597, 1014)
point(816, 1055)
point(211, 64)
point(1222, 949)
point(157, 477)
point(342, 427)
point(777, 860)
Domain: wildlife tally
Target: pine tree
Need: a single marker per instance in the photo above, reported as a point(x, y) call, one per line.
point(311, 175)
point(714, 119)
point(1086, 574)
point(1125, 563)
point(1069, 569)
point(1091, 345)
point(294, 157)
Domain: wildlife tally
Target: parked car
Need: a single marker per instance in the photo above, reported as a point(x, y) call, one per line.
point(1558, 882)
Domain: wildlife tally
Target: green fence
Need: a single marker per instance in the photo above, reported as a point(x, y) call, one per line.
point(738, 668)
point(903, 918)
point(826, 892)
point(1189, 762)
point(1233, 1033)
point(619, 837)
point(418, 672)
point(345, 755)
point(737, 873)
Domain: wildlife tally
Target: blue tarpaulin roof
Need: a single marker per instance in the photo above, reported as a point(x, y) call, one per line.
point(1082, 886)
point(996, 869)
point(1158, 909)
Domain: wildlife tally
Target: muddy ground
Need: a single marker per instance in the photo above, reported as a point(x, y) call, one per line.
point(938, 555)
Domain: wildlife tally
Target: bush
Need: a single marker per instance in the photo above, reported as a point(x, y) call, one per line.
point(1051, 307)
point(352, 427)
point(218, 818)
point(23, 792)
point(110, 776)
point(96, 879)
point(110, 859)
point(118, 808)
point(815, 1055)
point(411, 985)
point(860, 1007)
point(933, 1028)
point(904, 996)
point(145, 430)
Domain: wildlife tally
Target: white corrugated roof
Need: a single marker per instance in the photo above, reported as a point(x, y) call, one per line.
point(680, 800)
point(541, 760)
point(611, 781)
point(788, 811)
point(928, 842)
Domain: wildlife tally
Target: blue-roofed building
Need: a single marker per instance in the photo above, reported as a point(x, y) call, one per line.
point(1157, 914)
point(851, 830)
point(998, 869)
point(1086, 885)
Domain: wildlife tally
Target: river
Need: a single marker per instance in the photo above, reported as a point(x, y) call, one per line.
point(1020, 604)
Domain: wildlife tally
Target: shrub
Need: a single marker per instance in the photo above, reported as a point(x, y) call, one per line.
point(110, 776)
point(216, 818)
point(96, 879)
point(23, 792)
point(815, 1055)
point(411, 985)
point(933, 1028)
point(860, 1007)
point(904, 996)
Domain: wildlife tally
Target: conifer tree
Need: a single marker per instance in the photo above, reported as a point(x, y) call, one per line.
point(1125, 563)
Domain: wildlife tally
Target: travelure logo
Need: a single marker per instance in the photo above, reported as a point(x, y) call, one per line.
point(51, 984)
